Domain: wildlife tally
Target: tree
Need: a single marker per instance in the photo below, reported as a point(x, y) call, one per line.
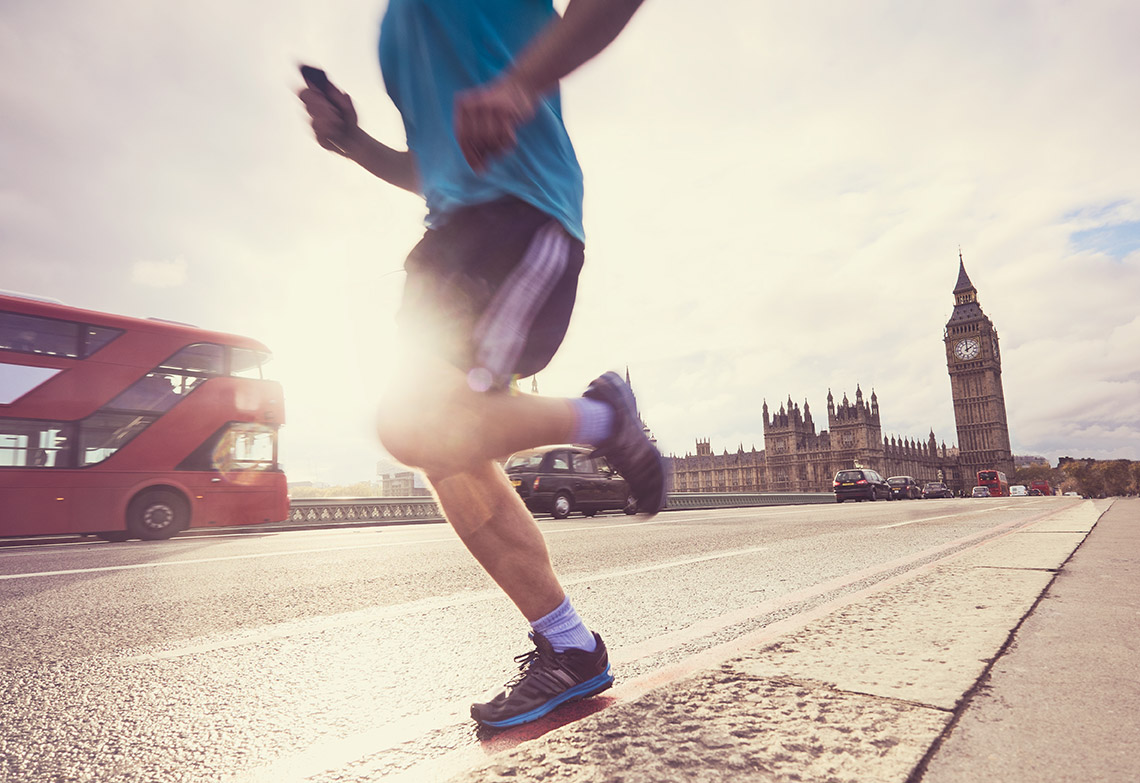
point(1117, 477)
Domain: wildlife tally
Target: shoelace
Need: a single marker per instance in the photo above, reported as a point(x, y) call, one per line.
point(525, 661)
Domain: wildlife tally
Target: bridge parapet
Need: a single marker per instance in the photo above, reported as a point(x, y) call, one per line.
point(420, 509)
point(417, 509)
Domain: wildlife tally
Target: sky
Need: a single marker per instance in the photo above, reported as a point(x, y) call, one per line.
point(776, 198)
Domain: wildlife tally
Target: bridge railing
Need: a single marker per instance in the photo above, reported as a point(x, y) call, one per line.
point(424, 509)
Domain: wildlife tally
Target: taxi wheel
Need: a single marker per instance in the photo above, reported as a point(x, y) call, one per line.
point(630, 506)
point(561, 507)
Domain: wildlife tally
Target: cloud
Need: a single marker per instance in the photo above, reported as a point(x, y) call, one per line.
point(159, 274)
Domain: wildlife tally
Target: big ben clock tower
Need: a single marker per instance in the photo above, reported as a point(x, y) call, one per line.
point(974, 362)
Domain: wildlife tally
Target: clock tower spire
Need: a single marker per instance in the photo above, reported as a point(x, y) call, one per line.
point(974, 363)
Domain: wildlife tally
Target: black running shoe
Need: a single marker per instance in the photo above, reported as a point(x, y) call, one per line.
point(628, 449)
point(546, 680)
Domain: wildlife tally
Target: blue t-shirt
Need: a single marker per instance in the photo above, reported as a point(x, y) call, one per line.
point(432, 49)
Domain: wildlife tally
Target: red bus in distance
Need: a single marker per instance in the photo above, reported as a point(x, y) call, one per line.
point(996, 481)
point(132, 427)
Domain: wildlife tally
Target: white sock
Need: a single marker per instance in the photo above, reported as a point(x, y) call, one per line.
point(595, 421)
point(564, 629)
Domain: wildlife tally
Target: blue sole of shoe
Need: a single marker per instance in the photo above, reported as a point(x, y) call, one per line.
point(590, 687)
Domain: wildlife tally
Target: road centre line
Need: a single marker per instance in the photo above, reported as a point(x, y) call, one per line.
point(331, 755)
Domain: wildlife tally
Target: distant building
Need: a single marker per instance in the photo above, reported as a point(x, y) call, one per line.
point(1029, 461)
point(308, 485)
point(797, 458)
point(1088, 462)
point(973, 359)
point(402, 485)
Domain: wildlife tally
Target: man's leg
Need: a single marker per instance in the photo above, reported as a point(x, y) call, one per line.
point(440, 425)
point(568, 662)
point(496, 527)
point(443, 427)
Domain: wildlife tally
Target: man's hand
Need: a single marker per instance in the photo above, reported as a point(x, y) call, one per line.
point(333, 117)
point(487, 118)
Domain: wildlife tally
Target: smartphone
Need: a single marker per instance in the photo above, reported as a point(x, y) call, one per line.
point(316, 78)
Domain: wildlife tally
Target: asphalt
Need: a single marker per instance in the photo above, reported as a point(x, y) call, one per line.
point(1014, 661)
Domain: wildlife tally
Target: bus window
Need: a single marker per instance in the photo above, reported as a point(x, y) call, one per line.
point(236, 447)
point(16, 380)
point(246, 363)
point(102, 434)
point(198, 359)
point(32, 444)
point(154, 392)
point(246, 447)
point(32, 334)
point(96, 337)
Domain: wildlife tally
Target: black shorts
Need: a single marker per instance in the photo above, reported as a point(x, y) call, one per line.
point(491, 291)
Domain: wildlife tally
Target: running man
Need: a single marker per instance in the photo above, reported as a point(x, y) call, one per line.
point(489, 292)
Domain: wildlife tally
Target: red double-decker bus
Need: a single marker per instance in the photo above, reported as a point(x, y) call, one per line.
point(995, 481)
point(131, 427)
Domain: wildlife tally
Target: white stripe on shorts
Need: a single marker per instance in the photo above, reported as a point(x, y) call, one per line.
point(502, 331)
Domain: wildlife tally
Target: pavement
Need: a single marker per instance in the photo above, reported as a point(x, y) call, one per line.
point(1015, 661)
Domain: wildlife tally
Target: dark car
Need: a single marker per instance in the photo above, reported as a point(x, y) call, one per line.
point(904, 488)
point(561, 479)
point(936, 489)
point(860, 484)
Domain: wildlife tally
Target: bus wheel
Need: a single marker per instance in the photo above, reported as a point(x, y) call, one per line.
point(157, 514)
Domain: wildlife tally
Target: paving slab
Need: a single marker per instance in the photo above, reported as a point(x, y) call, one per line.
point(1076, 519)
point(1063, 703)
point(1024, 549)
point(926, 641)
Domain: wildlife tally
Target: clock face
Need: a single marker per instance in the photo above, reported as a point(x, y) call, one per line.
point(966, 349)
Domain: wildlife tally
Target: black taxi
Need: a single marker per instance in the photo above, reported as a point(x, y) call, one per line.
point(559, 480)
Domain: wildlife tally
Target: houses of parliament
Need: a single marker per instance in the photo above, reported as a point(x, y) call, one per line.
point(797, 458)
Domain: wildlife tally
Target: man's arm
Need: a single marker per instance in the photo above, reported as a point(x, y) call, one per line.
point(486, 117)
point(335, 126)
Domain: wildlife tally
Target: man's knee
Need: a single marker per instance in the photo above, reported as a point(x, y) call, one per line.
point(433, 438)
point(407, 434)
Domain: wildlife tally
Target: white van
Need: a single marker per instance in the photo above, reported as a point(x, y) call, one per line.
point(1018, 491)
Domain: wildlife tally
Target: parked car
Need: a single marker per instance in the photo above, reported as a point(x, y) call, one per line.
point(936, 489)
point(980, 492)
point(560, 480)
point(904, 488)
point(1018, 491)
point(860, 484)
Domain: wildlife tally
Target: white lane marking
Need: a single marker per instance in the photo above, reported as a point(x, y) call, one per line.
point(332, 753)
point(290, 552)
point(315, 625)
point(931, 519)
point(223, 558)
